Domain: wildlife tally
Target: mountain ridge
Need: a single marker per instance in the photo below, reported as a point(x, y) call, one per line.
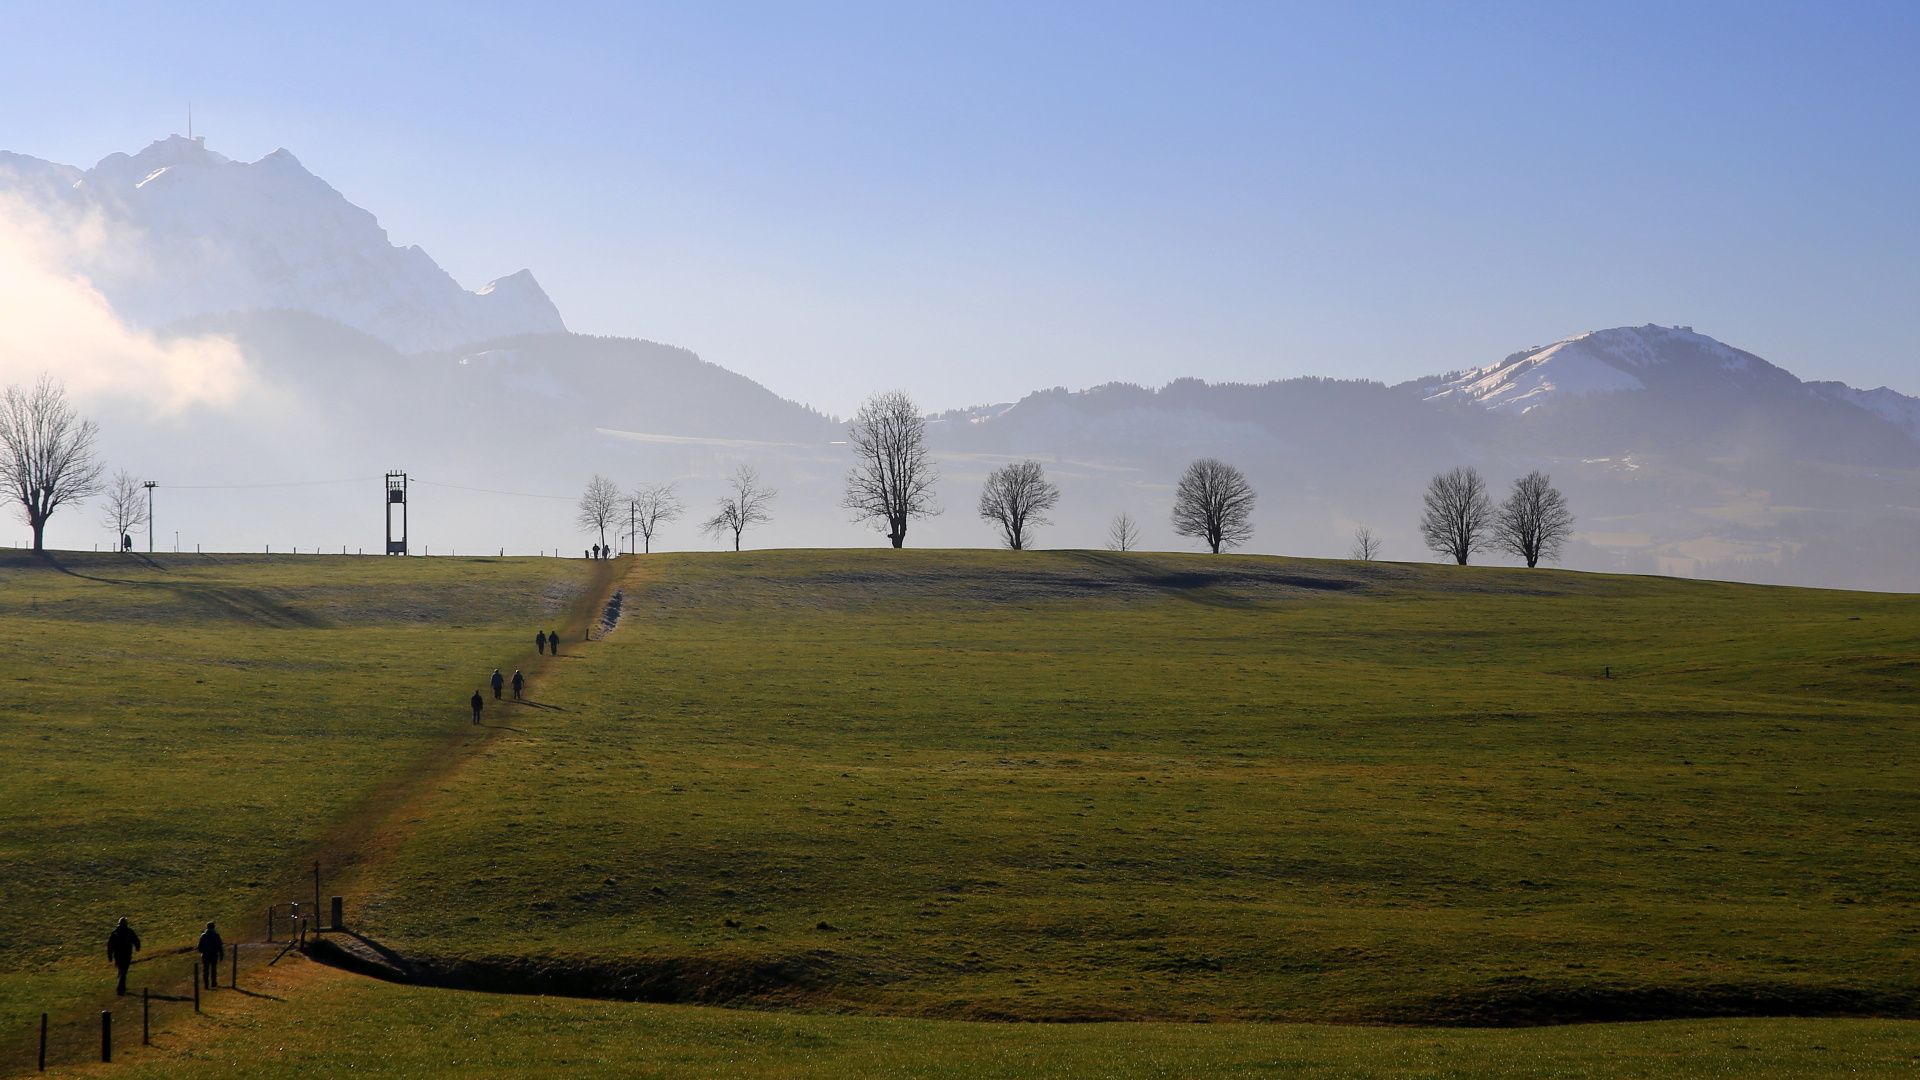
point(190, 232)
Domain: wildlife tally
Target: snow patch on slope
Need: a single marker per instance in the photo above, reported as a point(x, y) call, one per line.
point(1597, 362)
point(1888, 404)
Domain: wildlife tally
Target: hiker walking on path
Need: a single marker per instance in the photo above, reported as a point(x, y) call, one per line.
point(518, 682)
point(497, 682)
point(553, 642)
point(540, 642)
point(478, 703)
point(211, 949)
point(122, 943)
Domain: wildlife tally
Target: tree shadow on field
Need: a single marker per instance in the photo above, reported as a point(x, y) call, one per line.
point(537, 705)
point(503, 727)
point(249, 605)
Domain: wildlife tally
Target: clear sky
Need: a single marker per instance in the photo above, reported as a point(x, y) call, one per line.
point(975, 200)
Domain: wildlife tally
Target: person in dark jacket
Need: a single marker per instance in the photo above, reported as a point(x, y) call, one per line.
point(553, 642)
point(498, 683)
point(478, 703)
point(211, 949)
point(540, 642)
point(518, 682)
point(122, 943)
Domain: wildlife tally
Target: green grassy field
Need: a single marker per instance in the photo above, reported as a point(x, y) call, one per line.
point(338, 1025)
point(183, 729)
point(1073, 785)
point(922, 787)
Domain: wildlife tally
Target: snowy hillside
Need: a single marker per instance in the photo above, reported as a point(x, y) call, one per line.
point(1598, 362)
point(178, 231)
point(1890, 405)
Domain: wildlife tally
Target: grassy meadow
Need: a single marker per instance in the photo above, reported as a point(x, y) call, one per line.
point(184, 730)
point(314, 1021)
point(867, 796)
point(1079, 785)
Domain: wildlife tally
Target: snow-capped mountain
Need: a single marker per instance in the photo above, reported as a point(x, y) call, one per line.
point(1687, 369)
point(1598, 362)
point(177, 231)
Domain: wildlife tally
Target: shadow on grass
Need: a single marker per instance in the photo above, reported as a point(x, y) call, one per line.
point(252, 605)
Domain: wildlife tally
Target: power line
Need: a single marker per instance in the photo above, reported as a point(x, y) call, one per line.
point(290, 483)
point(356, 480)
point(491, 491)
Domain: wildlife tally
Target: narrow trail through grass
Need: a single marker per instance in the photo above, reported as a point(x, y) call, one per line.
point(188, 733)
point(924, 788)
point(1077, 785)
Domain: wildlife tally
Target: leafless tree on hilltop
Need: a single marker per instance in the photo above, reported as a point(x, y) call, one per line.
point(599, 507)
point(125, 508)
point(743, 509)
point(1458, 514)
point(1214, 503)
point(894, 479)
point(1016, 497)
point(46, 452)
point(1534, 522)
point(1366, 544)
point(650, 507)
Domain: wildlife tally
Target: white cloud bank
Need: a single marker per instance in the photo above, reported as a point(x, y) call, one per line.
point(52, 319)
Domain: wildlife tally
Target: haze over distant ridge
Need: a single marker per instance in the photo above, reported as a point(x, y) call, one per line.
point(244, 324)
point(178, 231)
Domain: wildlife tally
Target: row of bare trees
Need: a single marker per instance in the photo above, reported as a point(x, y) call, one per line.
point(894, 477)
point(645, 509)
point(1460, 519)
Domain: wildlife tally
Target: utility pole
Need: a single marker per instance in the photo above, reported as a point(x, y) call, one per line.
point(633, 525)
point(150, 485)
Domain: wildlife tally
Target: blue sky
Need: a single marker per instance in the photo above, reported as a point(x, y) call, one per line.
point(971, 201)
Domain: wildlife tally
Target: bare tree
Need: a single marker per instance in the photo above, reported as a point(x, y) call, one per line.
point(46, 452)
point(1458, 514)
point(599, 507)
point(1534, 521)
point(125, 509)
point(1214, 503)
point(1366, 544)
point(743, 509)
point(1124, 533)
point(648, 508)
point(1016, 497)
point(894, 480)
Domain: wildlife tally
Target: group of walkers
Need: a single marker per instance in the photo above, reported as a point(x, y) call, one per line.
point(545, 641)
point(124, 941)
point(598, 551)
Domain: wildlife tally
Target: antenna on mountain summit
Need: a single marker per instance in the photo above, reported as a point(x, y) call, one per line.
point(189, 121)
